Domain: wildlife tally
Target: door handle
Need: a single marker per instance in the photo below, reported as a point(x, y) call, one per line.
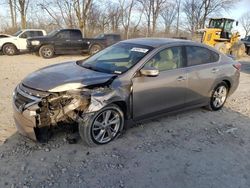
point(215, 70)
point(181, 78)
point(67, 40)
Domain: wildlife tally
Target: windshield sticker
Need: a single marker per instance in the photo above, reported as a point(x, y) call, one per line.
point(142, 50)
point(117, 72)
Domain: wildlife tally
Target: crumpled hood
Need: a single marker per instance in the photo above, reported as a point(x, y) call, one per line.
point(53, 76)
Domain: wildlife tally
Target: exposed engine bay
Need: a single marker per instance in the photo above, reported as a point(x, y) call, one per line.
point(46, 109)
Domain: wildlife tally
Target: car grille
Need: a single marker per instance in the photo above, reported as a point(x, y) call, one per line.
point(21, 98)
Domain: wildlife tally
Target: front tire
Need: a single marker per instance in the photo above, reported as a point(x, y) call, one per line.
point(103, 126)
point(218, 97)
point(46, 51)
point(9, 49)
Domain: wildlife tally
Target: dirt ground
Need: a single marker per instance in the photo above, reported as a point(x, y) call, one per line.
point(192, 149)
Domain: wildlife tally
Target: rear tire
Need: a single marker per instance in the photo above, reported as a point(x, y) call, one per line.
point(9, 49)
point(98, 129)
point(46, 51)
point(218, 97)
point(94, 49)
point(238, 50)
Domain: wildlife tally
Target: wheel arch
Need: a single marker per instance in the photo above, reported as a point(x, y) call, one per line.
point(228, 83)
point(8, 43)
point(226, 80)
point(123, 106)
point(96, 43)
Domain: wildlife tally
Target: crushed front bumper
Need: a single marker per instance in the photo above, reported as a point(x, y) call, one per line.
point(25, 123)
point(25, 116)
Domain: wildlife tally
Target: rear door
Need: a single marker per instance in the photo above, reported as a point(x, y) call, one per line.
point(62, 41)
point(167, 90)
point(77, 41)
point(202, 69)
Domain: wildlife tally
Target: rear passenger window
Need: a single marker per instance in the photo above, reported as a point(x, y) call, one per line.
point(199, 55)
point(75, 35)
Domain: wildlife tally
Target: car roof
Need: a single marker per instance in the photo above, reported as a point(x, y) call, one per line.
point(157, 42)
point(32, 30)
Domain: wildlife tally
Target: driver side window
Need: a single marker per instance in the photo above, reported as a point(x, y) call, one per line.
point(167, 59)
point(24, 35)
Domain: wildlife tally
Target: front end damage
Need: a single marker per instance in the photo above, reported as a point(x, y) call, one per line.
point(36, 112)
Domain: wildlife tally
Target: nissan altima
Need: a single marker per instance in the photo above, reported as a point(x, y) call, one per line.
point(131, 80)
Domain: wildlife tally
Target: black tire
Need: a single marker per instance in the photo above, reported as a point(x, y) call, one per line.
point(238, 50)
point(46, 51)
point(86, 128)
point(248, 50)
point(10, 49)
point(94, 49)
point(212, 103)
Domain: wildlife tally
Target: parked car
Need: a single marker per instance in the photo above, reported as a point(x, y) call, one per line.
point(66, 41)
point(246, 41)
point(17, 42)
point(101, 41)
point(131, 80)
point(4, 35)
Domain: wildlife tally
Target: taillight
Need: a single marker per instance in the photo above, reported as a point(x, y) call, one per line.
point(237, 66)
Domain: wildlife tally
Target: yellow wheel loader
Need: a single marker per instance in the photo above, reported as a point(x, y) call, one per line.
point(219, 35)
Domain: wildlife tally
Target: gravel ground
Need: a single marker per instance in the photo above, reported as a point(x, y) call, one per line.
point(192, 149)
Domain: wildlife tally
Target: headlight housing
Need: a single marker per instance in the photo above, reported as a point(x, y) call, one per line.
point(35, 42)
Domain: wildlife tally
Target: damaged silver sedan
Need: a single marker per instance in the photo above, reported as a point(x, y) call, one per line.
point(131, 80)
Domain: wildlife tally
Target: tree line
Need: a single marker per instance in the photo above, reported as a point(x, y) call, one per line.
point(131, 18)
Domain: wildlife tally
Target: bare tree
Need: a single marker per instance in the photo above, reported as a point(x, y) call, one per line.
point(178, 8)
point(67, 12)
point(12, 6)
point(82, 8)
point(193, 12)
point(168, 15)
point(197, 11)
point(214, 6)
point(51, 13)
point(157, 7)
point(126, 10)
point(245, 21)
point(114, 16)
point(22, 7)
point(147, 10)
point(152, 9)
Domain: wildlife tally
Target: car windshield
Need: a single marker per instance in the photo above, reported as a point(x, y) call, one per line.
point(116, 59)
point(17, 33)
point(52, 33)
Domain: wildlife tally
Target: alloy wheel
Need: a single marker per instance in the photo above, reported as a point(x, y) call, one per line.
point(106, 126)
point(47, 52)
point(9, 50)
point(219, 96)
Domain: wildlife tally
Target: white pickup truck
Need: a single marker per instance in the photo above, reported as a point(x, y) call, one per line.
point(17, 42)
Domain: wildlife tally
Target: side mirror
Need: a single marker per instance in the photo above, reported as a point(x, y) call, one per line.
point(149, 71)
point(237, 23)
